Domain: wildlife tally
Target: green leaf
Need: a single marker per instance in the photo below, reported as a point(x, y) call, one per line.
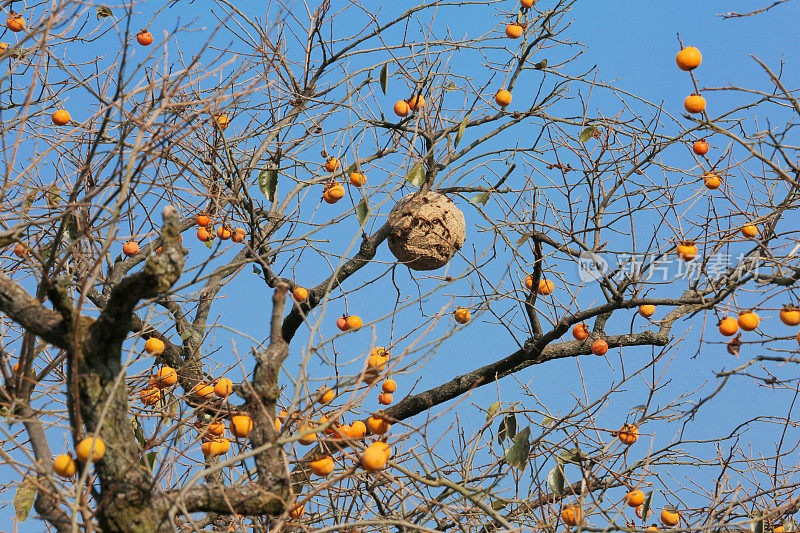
point(498, 505)
point(209, 243)
point(451, 87)
point(461, 128)
point(384, 76)
point(46, 251)
point(546, 421)
point(555, 481)
point(362, 211)
point(648, 499)
point(480, 198)
point(587, 133)
point(507, 428)
point(268, 183)
point(23, 499)
point(492, 410)
point(103, 11)
point(416, 176)
point(517, 456)
point(72, 227)
point(540, 65)
point(641, 408)
point(186, 335)
point(53, 195)
point(352, 168)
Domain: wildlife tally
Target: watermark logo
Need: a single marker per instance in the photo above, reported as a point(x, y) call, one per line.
point(591, 267)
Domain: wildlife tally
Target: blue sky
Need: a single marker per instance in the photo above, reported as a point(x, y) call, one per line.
point(633, 45)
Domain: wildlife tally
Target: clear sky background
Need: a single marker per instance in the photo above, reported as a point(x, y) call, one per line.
point(633, 45)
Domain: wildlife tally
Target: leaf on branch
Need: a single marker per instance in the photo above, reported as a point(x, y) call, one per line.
point(546, 421)
point(507, 428)
point(572, 455)
point(46, 251)
point(362, 211)
point(256, 270)
point(23, 499)
point(499, 505)
point(641, 408)
point(492, 410)
point(384, 76)
point(186, 335)
point(451, 87)
point(648, 499)
point(525, 236)
point(540, 65)
point(461, 128)
point(587, 133)
point(103, 12)
point(209, 243)
point(481, 198)
point(268, 183)
point(416, 176)
point(555, 481)
point(517, 456)
point(735, 344)
point(72, 227)
point(53, 195)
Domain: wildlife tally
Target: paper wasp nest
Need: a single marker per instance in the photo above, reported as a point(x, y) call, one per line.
point(426, 230)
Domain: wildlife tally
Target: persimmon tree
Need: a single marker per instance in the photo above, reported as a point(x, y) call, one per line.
point(263, 270)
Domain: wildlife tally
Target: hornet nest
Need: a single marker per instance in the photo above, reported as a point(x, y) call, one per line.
point(426, 230)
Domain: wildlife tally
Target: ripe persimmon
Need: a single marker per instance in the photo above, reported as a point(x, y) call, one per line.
point(215, 447)
point(90, 449)
point(647, 310)
point(223, 387)
point(60, 117)
point(790, 315)
point(224, 233)
point(203, 234)
point(221, 121)
point(326, 396)
point(580, 331)
point(571, 515)
point(462, 315)
point(241, 426)
point(634, 498)
point(528, 282)
point(694, 103)
point(373, 459)
point(700, 147)
point(150, 396)
point(377, 425)
point(357, 430)
point(526, 3)
point(341, 323)
point(628, 434)
point(502, 98)
point(300, 293)
point(154, 346)
point(130, 248)
point(64, 465)
point(728, 326)
point(144, 37)
point(712, 181)
point(310, 438)
point(333, 193)
point(215, 429)
point(748, 321)
point(332, 164)
point(688, 58)
point(401, 108)
point(670, 518)
point(354, 322)
point(20, 250)
point(385, 398)
point(546, 287)
point(514, 31)
point(203, 390)
point(203, 220)
point(298, 511)
point(238, 235)
point(389, 386)
point(321, 467)
point(599, 347)
point(416, 102)
point(687, 251)
point(357, 179)
point(15, 22)
point(166, 377)
point(750, 231)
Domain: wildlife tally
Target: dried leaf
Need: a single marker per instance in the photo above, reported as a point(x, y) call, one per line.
point(648, 499)
point(461, 128)
point(540, 65)
point(507, 428)
point(103, 12)
point(587, 133)
point(641, 408)
point(571, 455)
point(384, 76)
point(517, 456)
point(498, 505)
point(416, 176)
point(53, 195)
point(735, 344)
point(24, 498)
